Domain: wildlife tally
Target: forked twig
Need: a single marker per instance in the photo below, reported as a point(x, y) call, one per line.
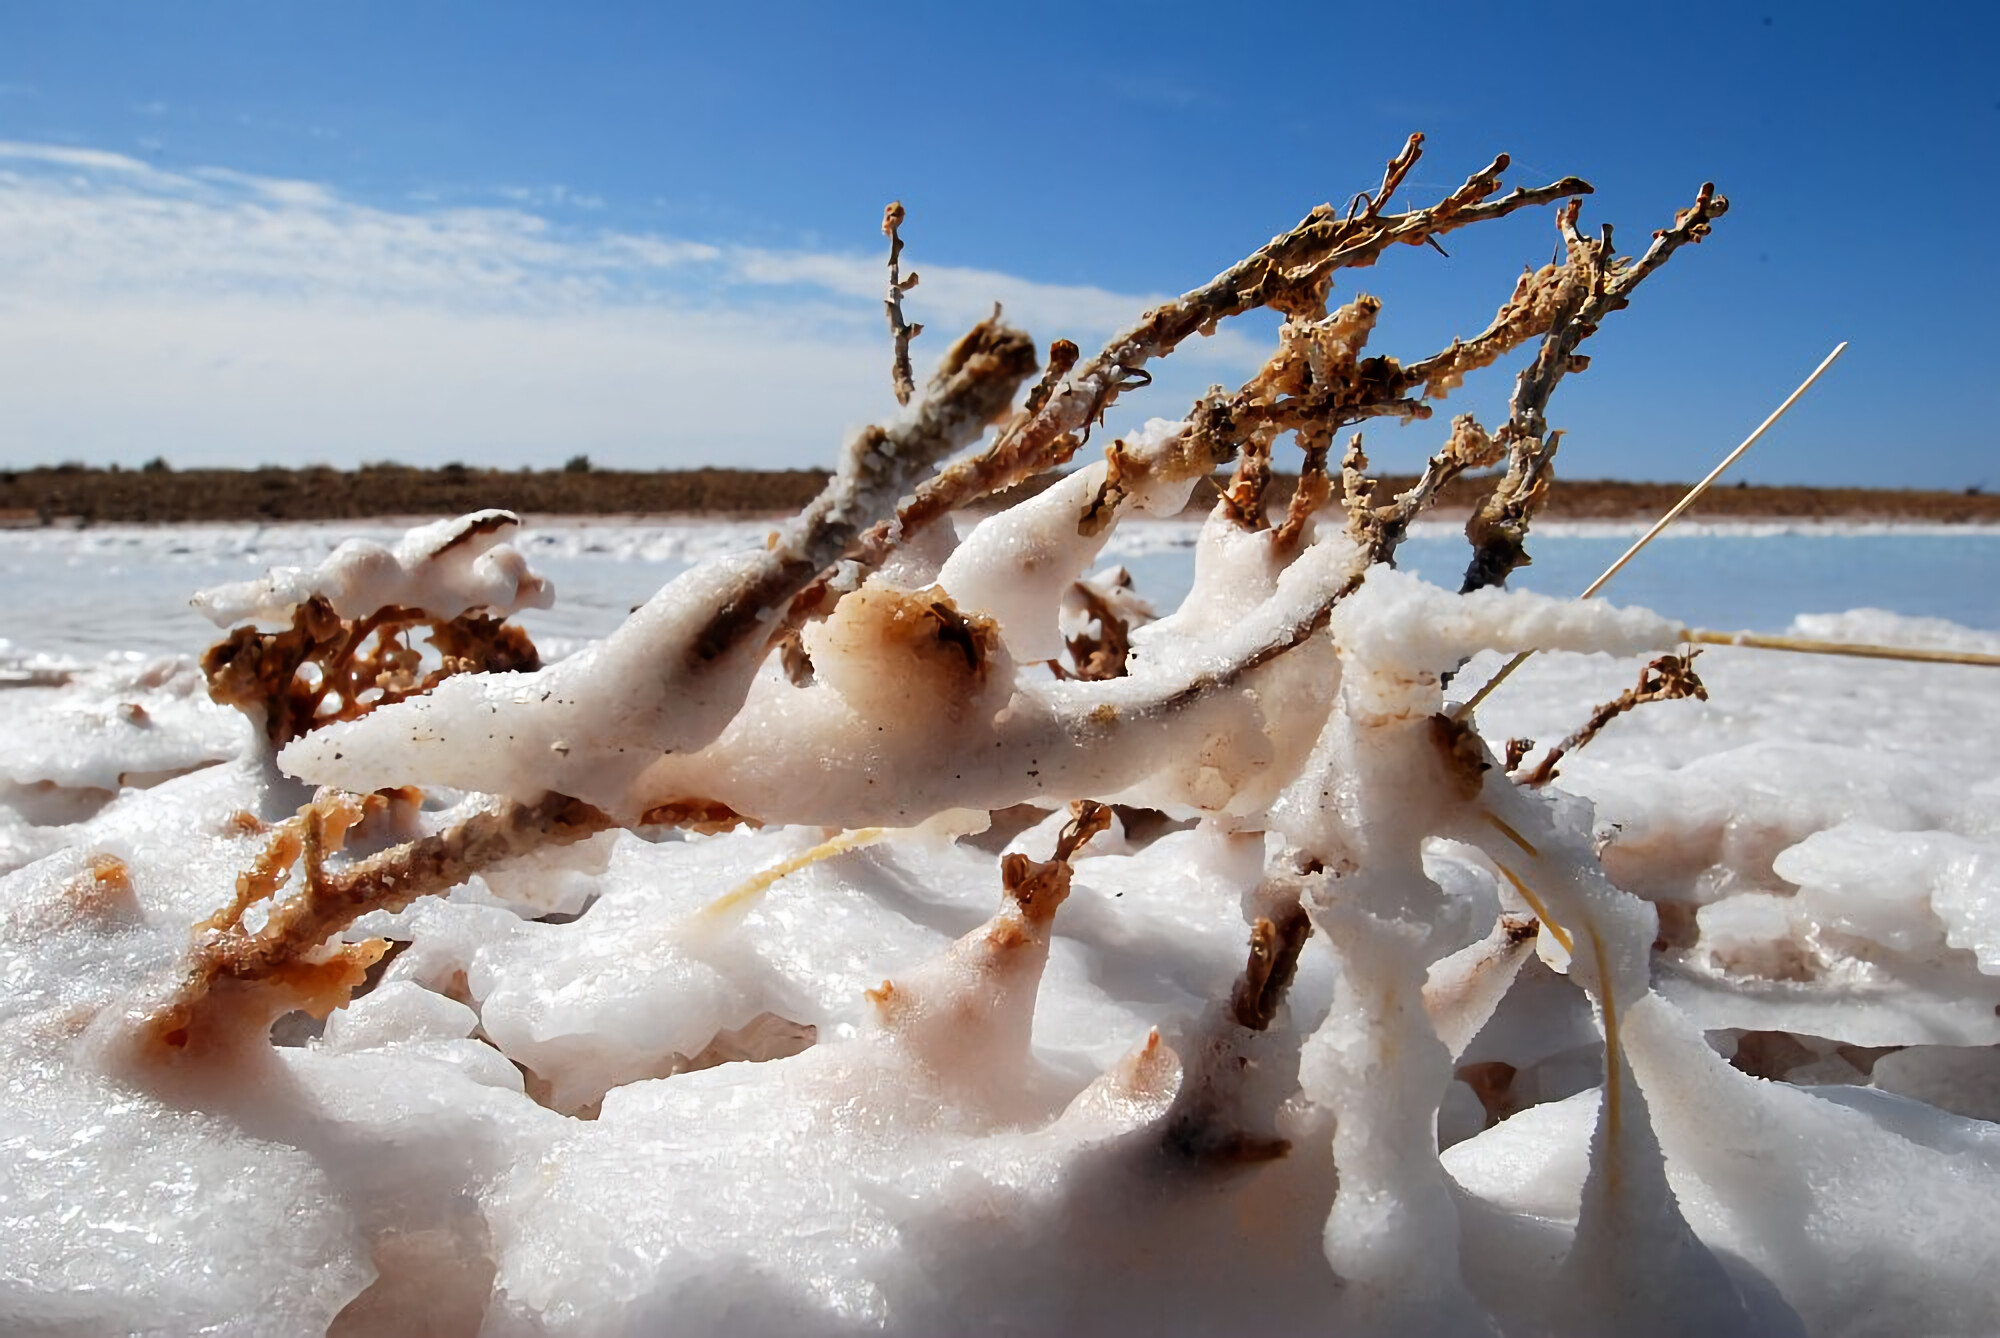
point(1669, 678)
point(1592, 282)
point(900, 330)
point(1289, 274)
point(290, 952)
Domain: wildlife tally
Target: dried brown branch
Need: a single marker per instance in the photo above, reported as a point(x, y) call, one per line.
point(1100, 655)
point(1290, 274)
point(1062, 356)
point(1275, 944)
point(1382, 528)
point(1223, 1115)
point(356, 665)
point(1243, 499)
point(1038, 887)
point(900, 331)
point(1591, 283)
point(1309, 495)
point(1316, 382)
point(288, 961)
point(973, 385)
point(1669, 678)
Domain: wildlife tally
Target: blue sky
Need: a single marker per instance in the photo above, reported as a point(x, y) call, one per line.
point(502, 233)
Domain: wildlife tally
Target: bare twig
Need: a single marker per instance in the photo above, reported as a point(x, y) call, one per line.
point(1382, 529)
point(1669, 678)
point(1312, 492)
point(290, 951)
point(1290, 274)
point(973, 385)
point(1591, 283)
point(901, 331)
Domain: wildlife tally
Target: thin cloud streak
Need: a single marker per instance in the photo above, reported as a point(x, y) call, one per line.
point(220, 317)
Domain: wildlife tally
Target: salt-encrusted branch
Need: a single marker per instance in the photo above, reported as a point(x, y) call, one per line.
point(345, 651)
point(290, 951)
point(1592, 283)
point(358, 664)
point(973, 386)
point(901, 331)
point(1217, 1117)
point(1243, 499)
point(1312, 492)
point(1669, 678)
point(968, 1014)
point(1381, 529)
point(1289, 274)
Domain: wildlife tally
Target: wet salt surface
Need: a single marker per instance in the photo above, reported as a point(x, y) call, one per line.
point(83, 593)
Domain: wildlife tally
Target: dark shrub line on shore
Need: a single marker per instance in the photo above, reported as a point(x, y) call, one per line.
point(71, 494)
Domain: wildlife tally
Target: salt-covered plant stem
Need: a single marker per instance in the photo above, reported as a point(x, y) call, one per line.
point(287, 962)
point(972, 386)
point(901, 332)
point(1288, 273)
point(1632, 1241)
point(1592, 283)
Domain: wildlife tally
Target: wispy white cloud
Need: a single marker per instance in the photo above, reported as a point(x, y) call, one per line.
point(549, 197)
point(214, 315)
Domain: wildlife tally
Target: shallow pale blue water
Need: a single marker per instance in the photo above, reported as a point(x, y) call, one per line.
point(83, 593)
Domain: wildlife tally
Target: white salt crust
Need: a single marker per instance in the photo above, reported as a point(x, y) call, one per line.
point(503, 1137)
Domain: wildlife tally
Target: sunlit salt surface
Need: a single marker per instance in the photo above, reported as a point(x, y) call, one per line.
point(583, 1101)
point(81, 593)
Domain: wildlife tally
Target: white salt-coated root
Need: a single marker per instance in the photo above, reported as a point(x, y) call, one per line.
point(445, 569)
point(639, 746)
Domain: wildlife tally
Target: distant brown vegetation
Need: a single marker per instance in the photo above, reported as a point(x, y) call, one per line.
point(70, 494)
point(160, 495)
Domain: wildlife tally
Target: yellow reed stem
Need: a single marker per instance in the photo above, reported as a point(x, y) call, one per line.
point(1507, 830)
point(1673, 514)
point(755, 886)
point(1807, 646)
point(1560, 934)
point(1612, 1056)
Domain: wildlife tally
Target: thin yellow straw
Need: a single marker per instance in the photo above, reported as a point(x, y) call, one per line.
point(1560, 934)
point(1810, 647)
point(753, 886)
point(1693, 493)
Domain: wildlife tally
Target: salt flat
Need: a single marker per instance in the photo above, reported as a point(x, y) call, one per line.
point(82, 593)
point(582, 1101)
